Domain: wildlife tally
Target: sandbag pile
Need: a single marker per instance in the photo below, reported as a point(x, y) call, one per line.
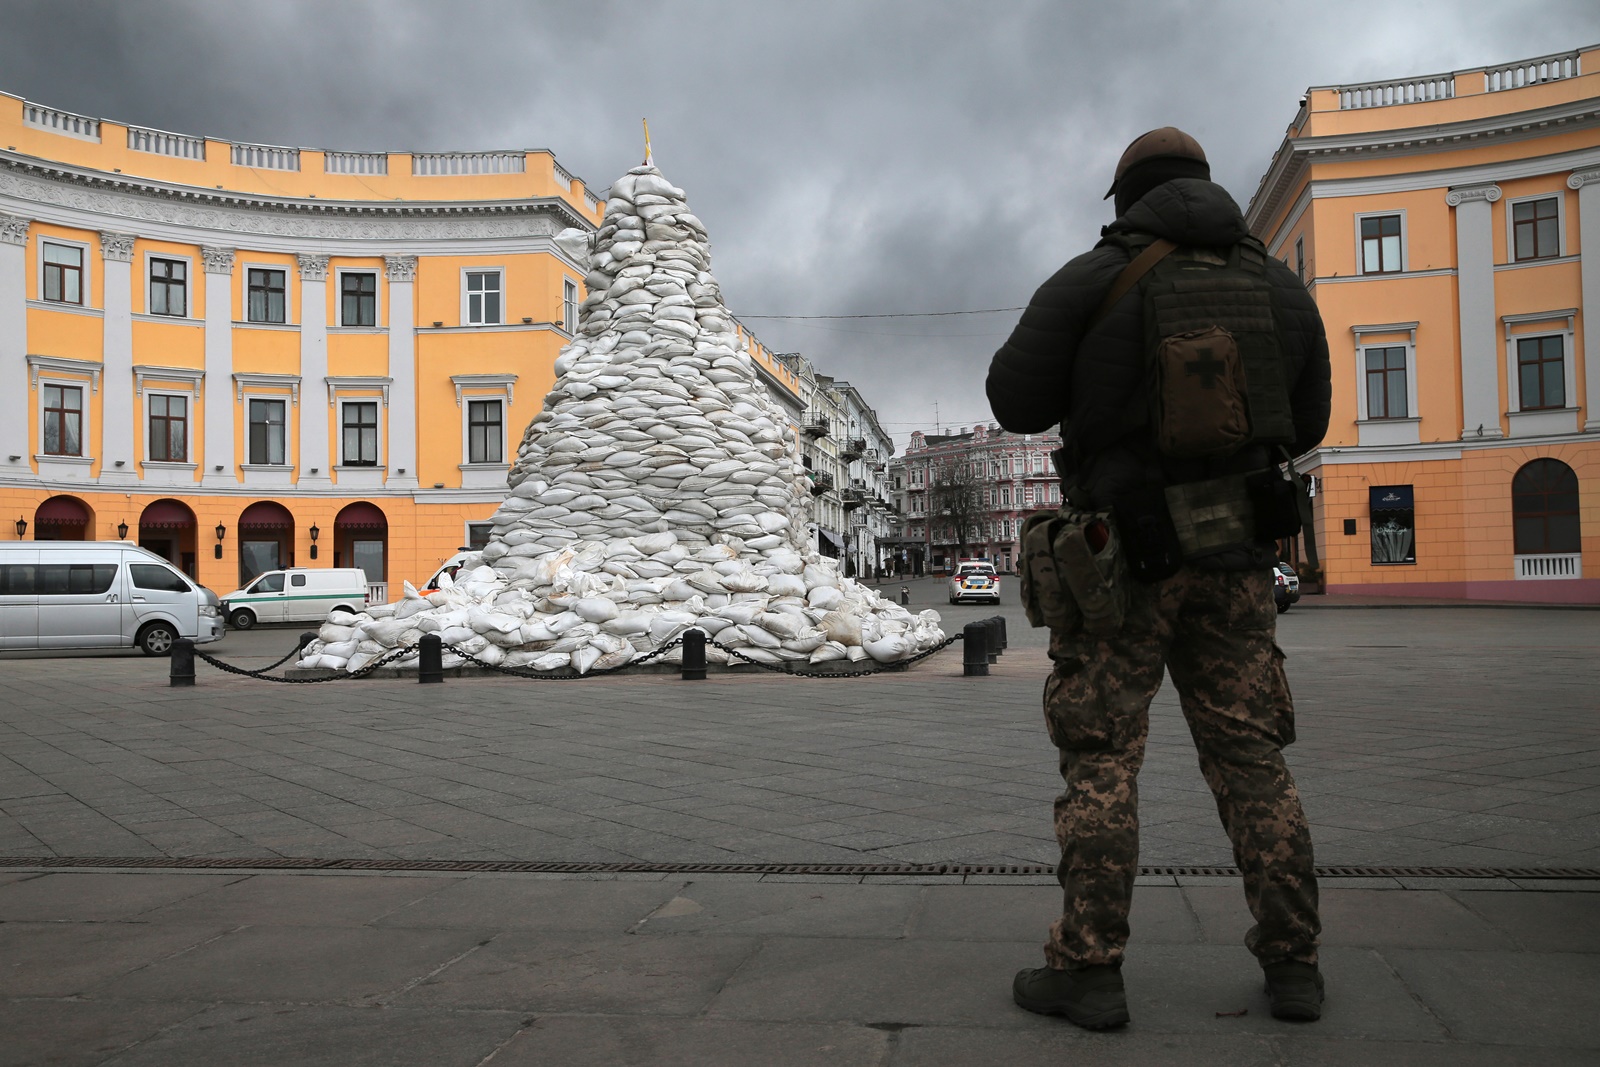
point(659, 488)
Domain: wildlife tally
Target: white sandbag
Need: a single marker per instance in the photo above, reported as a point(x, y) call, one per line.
point(595, 609)
point(584, 658)
point(829, 652)
point(551, 661)
point(824, 597)
point(890, 649)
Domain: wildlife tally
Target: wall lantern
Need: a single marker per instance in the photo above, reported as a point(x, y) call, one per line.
point(216, 549)
point(22, 526)
point(314, 533)
point(122, 531)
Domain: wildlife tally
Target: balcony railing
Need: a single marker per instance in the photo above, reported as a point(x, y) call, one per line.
point(821, 482)
point(442, 163)
point(63, 122)
point(854, 448)
point(162, 143)
point(266, 157)
point(377, 592)
point(1550, 68)
point(1550, 566)
point(817, 426)
point(852, 499)
point(355, 163)
point(1401, 91)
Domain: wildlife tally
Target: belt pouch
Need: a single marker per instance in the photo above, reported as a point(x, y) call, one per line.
point(1149, 542)
point(1276, 501)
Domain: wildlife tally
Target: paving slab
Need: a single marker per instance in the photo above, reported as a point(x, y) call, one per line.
point(80, 1033)
point(272, 1035)
point(503, 904)
point(99, 897)
point(1519, 998)
point(1160, 915)
point(943, 1046)
point(586, 972)
point(1541, 922)
point(59, 959)
point(1310, 1050)
point(662, 1042)
point(288, 899)
point(796, 909)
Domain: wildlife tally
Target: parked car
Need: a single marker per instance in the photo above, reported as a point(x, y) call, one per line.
point(296, 595)
point(1285, 586)
point(975, 581)
point(99, 594)
point(450, 567)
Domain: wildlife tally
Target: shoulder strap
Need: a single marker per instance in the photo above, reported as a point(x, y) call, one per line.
point(1158, 250)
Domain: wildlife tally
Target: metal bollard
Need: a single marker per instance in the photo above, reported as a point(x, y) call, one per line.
point(974, 650)
point(1004, 644)
point(694, 655)
point(181, 667)
point(905, 595)
point(430, 659)
point(991, 629)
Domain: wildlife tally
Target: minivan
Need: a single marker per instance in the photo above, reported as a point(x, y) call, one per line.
point(99, 594)
point(296, 595)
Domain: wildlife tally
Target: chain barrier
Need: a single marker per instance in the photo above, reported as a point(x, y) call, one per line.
point(519, 672)
point(897, 665)
point(361, 672)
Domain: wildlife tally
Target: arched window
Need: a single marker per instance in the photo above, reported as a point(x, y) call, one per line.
point(1544, 507)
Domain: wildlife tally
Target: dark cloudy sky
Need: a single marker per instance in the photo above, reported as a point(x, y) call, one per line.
point(847, 158)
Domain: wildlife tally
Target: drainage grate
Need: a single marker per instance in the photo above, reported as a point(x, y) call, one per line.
point(641, 867)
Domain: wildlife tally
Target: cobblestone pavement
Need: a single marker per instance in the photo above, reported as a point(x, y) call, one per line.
point(1427, 737)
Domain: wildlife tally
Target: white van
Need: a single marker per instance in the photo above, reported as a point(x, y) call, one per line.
point(99, 594)
point(450, 567)
point(296, 595)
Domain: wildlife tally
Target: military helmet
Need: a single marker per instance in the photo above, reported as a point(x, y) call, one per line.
point(1168, 142)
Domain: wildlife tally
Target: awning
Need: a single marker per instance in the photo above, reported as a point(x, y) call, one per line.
point(361, 516)
point(1391, 498)
point(61, 511)
point(832, 538)
point(266, 515)
point(166, 515)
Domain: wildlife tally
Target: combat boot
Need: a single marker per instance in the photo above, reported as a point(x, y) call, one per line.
point(1294, 990)
point(1092, 997)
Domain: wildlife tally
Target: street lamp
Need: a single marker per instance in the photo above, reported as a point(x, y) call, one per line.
point(22, 527)
point(122, 530)
point(314, 532)
point(216, 549)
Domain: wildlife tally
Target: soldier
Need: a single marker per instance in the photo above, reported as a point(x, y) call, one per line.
point(1185, 365)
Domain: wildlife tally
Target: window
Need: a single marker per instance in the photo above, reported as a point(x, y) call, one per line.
point(1392, 512)
point(158, 578)
point(358, 298)
point(1540, 373)
point(267, 432)
point(569, 306)
point(270, 583)
point(1544, 509)
point(266, 295)
point(1300, 258)
point(478, 535)
point(80, 578)
point(1386, 382)
point(485, 431)
point(1536, 229)
point(359, 421)
point(483, 298)
point(63, 273)
point(1005, 496)
point(63, 420)
point(1380, 244)
point(1038, 463)
point(169, 428)
point(169, 287)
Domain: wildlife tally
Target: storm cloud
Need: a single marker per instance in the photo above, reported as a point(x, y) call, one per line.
point(847, 158)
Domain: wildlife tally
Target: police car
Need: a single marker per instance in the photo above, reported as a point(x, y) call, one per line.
point(1285, 586)
point(975, 580)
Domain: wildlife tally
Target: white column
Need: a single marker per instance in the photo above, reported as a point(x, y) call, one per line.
point(402, 454)
point(14, 394)
point(1481, 404)
point(1587, 182)
point(314, 373)
point(221, 410)
point(116, 397)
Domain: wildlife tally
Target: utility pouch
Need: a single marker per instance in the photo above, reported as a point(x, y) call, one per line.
point(1074, 577)
point(1276, 501)
point(1201, 406)
point(1148, 539)
point(1211, 515)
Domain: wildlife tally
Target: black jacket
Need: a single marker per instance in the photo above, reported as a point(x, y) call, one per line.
point(1051, 370)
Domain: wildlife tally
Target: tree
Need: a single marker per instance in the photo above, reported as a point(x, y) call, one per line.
point(956, 497)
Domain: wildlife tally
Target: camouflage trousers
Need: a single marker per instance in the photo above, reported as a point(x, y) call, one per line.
point(1213, 632)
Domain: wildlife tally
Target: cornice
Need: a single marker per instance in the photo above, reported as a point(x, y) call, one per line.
point(1295, 154)
point(126, 198)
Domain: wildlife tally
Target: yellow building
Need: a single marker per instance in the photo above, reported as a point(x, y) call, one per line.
point(1449, 228)
point(246, 356)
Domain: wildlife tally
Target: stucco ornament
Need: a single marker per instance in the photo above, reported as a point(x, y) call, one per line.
point(660, 488)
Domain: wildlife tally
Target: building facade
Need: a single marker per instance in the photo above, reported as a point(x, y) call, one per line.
point(966, 494)
point(865, 495)
point(246, 356)
point(1449, 228)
